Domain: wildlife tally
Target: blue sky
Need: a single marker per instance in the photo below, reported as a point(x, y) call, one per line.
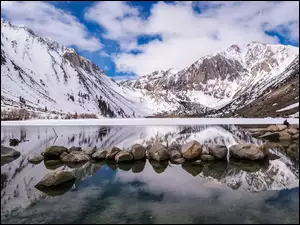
point(135, 38)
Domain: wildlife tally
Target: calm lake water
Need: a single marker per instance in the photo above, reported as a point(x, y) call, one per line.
point(218, 192)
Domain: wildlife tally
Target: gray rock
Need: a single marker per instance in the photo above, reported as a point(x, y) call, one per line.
point(55, 178)
point(271, 136)
point(206, 157)
point(73, 148)
point(178, 161)
point(123, 156)
point(90, 152)
point(112, 153)
point(174, 154)
point(159, 152)
point(99, 154)
point(218, 151)
point(75, 157)
point(53, 152)
point(36, 159)
point(246, 151)
point(62, 155)
point(138, 152)
point(192, 150)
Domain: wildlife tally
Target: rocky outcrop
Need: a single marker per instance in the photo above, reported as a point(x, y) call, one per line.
point(248, 151)
point(192, 150)
point(159, 152)
point(53, 152)
point(138, 152)
point(218, 151)
point(123, 156)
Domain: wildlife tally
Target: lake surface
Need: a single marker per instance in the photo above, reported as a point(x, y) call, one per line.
point(218, 192)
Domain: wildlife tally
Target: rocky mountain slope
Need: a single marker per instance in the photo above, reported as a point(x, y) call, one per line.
point(40, 74)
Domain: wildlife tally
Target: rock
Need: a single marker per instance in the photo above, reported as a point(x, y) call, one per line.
point(112, 153)
point(175, 146)
point(123, 156)
point(206, 157)
point(55, 178)
point(73, 148)
point(90, 152)
point(296, 136)
point(8, 155)
point(99, 154)
point(138, 166)
point(191, 151)
point(14, 142)
point(59, 189)
point(62, 155)
point(292, 131)
point(174, 154)
point(285, 136)
point(138, 152)
point(275, 128)
point(178, 161)
point(159, 166)
point(265, 148)
point(75, 157)
point(246, 151)
point(159, 152)
point(36, 159)
point(53, 152)
point(53, 164)
point(218, 151)
point(271, 136)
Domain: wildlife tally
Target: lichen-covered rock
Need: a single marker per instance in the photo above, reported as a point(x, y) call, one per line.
point(123, 156)
point(99, 154)
point(53, 152)
point(159, 152)
point(138, 152)
point(192, 150)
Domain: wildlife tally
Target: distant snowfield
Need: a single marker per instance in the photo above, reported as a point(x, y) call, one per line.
point(148, 121)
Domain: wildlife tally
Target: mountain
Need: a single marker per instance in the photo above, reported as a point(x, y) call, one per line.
point(41, 74)
point(229, 79)
point(253, 80)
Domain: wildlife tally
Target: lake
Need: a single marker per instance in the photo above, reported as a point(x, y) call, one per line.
point(149, 192)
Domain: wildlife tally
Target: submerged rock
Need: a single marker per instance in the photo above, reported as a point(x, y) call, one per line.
point(55, 178)
point(159, 152)
point(192, 150)
point(99, 154)
point(53, 152)
point(138, 152)
point(218, 151)
point(36, 159)
point(123, 156)
point(247, 151)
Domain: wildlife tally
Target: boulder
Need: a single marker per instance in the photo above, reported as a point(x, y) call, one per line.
point(138, 152)
point(75, 157)
point(194, 170)
point(174, 154)
point(36, 159)
point(123, 156)
point(90, 152)
point(112, 153)
point(285, 136)
point(275, 128)
point(99, 154)
point(73, 148)
point(55, 178)
point(62, 155)
point(246, 151)
point(53, 152)
point(191, 151)
point(218, 151)
point(159, 152)
point(271, 136)
point(206, 157)
point(175, 146)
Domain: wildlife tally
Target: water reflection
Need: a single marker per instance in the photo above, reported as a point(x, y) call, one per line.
point(148, 191)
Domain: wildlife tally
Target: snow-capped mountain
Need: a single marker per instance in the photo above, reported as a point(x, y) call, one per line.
point(39, 73)
point(215, 81)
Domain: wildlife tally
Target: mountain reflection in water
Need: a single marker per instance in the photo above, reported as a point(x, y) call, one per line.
point(148, 191)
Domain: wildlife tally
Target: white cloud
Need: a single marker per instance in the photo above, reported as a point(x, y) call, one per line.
point(104, 54)
point(48, 21)
point(186, 35)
